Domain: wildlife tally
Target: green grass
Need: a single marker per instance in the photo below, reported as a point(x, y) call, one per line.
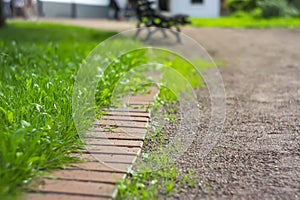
point(38, 65)
point(247, 22)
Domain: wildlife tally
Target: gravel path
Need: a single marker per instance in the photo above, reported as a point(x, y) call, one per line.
point(258, 155)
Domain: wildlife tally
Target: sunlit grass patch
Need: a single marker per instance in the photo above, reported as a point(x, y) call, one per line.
point(247, 22)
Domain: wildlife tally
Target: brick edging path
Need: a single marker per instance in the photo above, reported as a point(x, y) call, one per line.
point(116, 147)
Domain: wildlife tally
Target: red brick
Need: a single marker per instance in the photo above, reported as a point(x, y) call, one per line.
point(76, 187)
point(116, 135)
point(82, 175)
point(128, 143)
point(105, 123)
point(109, 158)
point(94, 166)
point(128, 118)
point(47, 196)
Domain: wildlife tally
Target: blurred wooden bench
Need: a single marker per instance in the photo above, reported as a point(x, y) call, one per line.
point(149, 17)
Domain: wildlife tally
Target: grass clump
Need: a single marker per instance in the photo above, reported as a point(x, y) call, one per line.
point(159, 179)
point(128, 77)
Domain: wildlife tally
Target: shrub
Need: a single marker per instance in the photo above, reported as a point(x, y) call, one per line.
point(240, 14)
point(256, 13)
point(276, 8)
point(240, 5)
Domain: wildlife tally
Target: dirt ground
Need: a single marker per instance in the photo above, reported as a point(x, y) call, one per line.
point(258, 154)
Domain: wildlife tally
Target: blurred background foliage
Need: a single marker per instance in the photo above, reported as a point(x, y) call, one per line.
point(263, 8)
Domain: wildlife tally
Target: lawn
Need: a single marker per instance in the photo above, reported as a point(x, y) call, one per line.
point(38, 66)
point(247, 22)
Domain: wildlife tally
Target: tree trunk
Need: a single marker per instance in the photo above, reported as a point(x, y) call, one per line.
point(2, 17)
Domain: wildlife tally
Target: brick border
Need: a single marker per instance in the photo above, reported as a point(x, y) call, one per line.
point(117, 139)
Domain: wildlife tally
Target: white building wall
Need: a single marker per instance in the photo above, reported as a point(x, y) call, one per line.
point(84, 2)
point(209, 8)
point(83, 8)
